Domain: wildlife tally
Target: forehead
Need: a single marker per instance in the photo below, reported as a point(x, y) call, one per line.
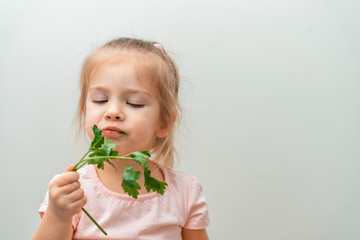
point(120, 75)
point(146, 66)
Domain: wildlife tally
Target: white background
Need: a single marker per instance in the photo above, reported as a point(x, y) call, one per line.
point(271, 99)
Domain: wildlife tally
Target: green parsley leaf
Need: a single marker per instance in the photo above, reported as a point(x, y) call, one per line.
point(108, 147)
point(129, 183)
point(98, 138)
point(139, 157)
point(141, 154)
point(152, 183)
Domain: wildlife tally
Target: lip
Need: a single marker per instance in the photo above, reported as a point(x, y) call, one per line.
point(111, 131)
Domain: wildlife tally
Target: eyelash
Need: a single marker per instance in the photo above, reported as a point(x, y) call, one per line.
point(131, 104)
point(100, 101)
point(135, 105)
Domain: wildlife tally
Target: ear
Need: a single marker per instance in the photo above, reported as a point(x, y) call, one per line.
point(161, 133)
point(166, 126)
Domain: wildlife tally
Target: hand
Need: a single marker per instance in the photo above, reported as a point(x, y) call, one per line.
point(66, 197)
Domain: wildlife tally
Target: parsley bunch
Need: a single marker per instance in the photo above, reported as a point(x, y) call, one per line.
point(101, 151)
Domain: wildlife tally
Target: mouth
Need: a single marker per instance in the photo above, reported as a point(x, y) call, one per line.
point(112, 131)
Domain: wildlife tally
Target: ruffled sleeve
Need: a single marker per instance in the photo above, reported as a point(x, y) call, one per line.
point(198, 216)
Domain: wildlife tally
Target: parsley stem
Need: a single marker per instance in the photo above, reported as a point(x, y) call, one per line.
point(93, 220)
point(110, 157)
point(81, 163)
point(75, 168)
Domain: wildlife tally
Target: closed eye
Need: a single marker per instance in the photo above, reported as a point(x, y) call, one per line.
point(100, 101)
point(135, 105)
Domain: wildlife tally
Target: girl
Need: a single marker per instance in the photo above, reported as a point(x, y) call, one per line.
point(129, 89)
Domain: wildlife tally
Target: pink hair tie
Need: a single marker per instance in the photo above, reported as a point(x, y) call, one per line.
point(158, 45)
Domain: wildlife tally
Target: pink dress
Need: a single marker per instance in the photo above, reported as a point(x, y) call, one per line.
point(150, 216)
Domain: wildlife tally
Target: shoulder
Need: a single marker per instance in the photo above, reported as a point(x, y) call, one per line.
point(180, 178)
point(183, 183)
point(188, 190)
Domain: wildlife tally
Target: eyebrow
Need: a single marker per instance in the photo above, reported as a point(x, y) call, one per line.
point(130, 90)
point(99, 88)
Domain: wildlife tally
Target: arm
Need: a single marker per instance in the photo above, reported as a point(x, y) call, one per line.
point(194, 234)
point(66, 199)
point(51, 228)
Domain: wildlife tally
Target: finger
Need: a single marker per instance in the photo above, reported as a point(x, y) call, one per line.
point(71, 187)
point(75, 195)
point(79, 203)
point(65, 179)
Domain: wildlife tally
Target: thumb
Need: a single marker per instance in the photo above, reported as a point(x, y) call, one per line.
point(70, 167)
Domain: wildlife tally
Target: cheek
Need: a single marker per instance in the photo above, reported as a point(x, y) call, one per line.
point(92, 114)
point(146, 124)
point(88, 128)
point(90, 120)
point(152, 126)
point(90, 134)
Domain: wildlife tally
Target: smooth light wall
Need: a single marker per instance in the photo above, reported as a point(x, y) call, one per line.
point(271, 99)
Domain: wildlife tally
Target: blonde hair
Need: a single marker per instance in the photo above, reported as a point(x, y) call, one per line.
point(151, 62)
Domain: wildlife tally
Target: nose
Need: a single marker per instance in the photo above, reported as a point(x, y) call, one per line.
point(114, 114)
